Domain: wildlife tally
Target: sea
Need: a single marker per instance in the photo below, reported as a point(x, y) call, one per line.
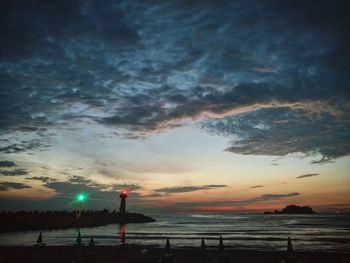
point(320, 232)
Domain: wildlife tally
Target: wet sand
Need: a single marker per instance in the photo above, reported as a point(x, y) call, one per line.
point(150, 254)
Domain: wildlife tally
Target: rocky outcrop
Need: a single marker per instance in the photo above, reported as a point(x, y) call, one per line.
point(293, 209)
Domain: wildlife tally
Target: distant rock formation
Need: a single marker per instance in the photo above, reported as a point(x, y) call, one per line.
point(35, 220)
point(293, 209)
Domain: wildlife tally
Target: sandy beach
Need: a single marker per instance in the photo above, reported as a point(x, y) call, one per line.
point(151, 254)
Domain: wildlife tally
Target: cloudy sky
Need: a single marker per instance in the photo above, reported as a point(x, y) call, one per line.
point(191, 105)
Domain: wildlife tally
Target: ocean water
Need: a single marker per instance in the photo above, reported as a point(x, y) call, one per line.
point(239, 231)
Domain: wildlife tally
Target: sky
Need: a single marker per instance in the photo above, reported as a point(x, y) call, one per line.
point(193, 106)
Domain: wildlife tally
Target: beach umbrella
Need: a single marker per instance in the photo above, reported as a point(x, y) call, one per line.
point(289, 246)
point(167, 245)
point(203, 244)
point(221, 244)
point(123, 238)
point(78, 239)
point(40, 239)
point(92, 242)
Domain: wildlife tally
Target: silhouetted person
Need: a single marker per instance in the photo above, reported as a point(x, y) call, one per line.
point(78, 240)
point(222, 257)
point(290, 257)
point(123, 241)
point(167, 244)
point(221, 244)
point(91, 242)
point(203, 244)
point(79, 248)
point(289, 246)
point(169, 257)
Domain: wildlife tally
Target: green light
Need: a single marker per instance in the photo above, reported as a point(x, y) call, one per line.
point(81, 197)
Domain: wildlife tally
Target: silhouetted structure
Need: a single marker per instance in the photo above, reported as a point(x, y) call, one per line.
point(35, 220)
point(123, 195)
point(293, 209)
point(79, 208)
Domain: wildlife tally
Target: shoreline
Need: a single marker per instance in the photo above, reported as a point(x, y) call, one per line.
point(139, 253)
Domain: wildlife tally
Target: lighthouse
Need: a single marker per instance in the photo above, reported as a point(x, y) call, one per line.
point(123, 195)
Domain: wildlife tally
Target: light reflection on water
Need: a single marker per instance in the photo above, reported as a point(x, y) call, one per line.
point(241, 231)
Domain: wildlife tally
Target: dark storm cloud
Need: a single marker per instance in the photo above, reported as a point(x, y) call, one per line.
point(49, 51)
point(185, 189)
point(27, 129)
point(283, 131)
point(43, 179)
point(306, 175)
point(16, 148)
point(81, 180)
point(70, 189)
point(272, 77)
point(130, 187)
point(268, 197)
point(19, 144)
point(15, 172)
point(7, 164)
point(256, 186)
point(5, 186)
point(154, 195)
point(75, 179)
